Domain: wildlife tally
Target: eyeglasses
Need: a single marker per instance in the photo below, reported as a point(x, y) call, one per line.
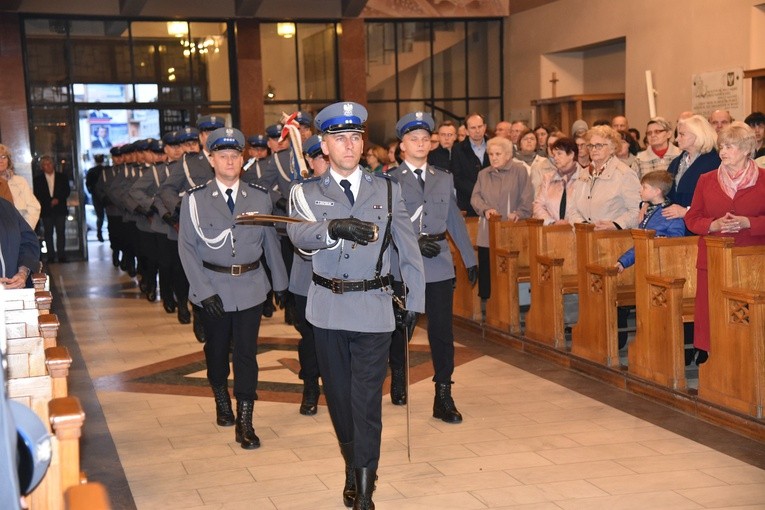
point(597, 146)
point(655, 132)
point(3, 157)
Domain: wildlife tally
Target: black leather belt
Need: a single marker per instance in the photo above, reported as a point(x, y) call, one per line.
point(338, 286)
point(234, 270)
point(434, 237)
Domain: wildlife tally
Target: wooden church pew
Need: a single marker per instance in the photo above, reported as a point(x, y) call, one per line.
point(601, 291)
point(734, 375)
point(466, 302)
point(509, 252)
point(553, 274)
point(665, 291)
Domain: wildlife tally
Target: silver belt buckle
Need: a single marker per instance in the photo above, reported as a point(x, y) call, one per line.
point(236, 270)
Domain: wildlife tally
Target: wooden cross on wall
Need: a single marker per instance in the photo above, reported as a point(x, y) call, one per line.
point(554, 80)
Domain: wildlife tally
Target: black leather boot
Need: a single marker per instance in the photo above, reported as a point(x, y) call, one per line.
point(199, 330)
point(398, 386)
point(349, 489)
point(223, 412)
point(268, 305)
point(443, 405)
point(184, 316)
point(365, 486)
point(309, 405)
point(244, 432)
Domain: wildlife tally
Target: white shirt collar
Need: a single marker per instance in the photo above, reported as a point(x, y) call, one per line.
point(222, 187)
point(413, 168)
point(354, 178)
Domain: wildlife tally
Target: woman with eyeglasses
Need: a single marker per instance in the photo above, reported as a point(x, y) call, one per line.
point(23, 196)
point(659, 153)
point(727, 202)
point(607, 193)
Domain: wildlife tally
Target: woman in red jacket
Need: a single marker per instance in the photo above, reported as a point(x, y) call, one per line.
point(729, 201)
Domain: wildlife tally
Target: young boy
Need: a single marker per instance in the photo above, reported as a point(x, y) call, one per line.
point(653, 192)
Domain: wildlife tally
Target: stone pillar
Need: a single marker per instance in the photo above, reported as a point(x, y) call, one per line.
point(250, 72)
point(352, 56)
point(14, 121)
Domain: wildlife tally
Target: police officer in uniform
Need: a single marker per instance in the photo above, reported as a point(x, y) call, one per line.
point(222, 262)
point(428, 193)
point(258, 151)
point(112, 212)
point(193, 169)
point(349, 301)
point(300, 281)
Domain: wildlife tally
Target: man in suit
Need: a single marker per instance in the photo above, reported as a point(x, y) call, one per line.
point(222, 262)
point(441, 156)
point(468, 158)
point(349, 302)
point(429, 198)
point(52, 190)
point(101, 138)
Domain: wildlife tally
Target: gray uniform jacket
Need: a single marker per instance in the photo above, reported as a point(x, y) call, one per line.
point(244, 245)
point(276, 177)
point(301, 274)
point(439, 214)
point(191, 170)
point(142, 222)
point(107, 176)
point(143, 192)
point(370, 311)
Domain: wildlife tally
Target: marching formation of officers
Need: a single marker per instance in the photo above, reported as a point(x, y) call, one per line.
point(362, 255)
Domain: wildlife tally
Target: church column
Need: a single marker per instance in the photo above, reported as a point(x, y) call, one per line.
point(352, 56)
point(250, 72)
point(14, 120)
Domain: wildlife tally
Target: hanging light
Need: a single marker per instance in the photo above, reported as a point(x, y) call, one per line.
point(286, 30)
point(270, 93)
point(177, 28)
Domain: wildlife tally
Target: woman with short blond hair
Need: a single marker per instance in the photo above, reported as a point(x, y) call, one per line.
point(23, 197)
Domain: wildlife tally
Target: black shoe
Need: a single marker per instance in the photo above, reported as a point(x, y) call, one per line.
point(244, 432)
point(169, 305)
point(100, 237)
point(199, 330)
point(310, 403)
point(184, 316)
point(349, 489)
point(398, 386)
point(443, 404)
point(151, 295)
point(224, 415)
point(116, 258)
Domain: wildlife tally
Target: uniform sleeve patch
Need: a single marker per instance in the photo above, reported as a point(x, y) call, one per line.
point(197, 188)
point(258, 187)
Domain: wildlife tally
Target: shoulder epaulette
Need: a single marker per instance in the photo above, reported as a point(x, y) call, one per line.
point(196, 188)
point(446, 170)
point(311, 179)
point(258, 187)
point(384, 175)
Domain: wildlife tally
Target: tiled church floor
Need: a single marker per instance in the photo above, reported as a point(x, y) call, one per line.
point(535, 436)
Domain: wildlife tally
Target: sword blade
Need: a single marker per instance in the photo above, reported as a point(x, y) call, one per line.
point(255, 218)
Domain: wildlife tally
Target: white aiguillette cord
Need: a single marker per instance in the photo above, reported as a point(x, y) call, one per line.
point(301, 207)
point(215, 243)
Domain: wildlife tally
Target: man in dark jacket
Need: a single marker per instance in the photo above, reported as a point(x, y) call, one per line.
point(52, 190)
point(468, 158)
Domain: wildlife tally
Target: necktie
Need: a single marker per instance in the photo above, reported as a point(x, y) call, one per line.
point(346, 184)
point(230, 200)
point(419, 178)
point(562, 211)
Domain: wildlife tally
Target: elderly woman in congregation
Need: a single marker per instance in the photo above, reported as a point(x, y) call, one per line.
point(727, 202)
point(659, 153)
point(503, 189)
point(555, 189)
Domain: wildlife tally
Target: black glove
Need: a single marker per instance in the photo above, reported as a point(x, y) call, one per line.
point(352, 229)
point(428, 248)
point(213, 306)
point(472, 275)
point(282, 204)
point(141, 210)
point(168, 218)
point(153, 210)
point(405, 319)
point(280, 298)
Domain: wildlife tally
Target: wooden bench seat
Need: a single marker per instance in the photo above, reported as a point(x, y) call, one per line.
point(466, 303)
point(509, 252)
point(552, 274)
point(601, 290)
point(665, 278)
point(734, 375)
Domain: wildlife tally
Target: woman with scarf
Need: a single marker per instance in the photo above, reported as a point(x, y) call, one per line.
point(502, 189)
point(727, 202)
point(527, 154)
point(549, 203)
